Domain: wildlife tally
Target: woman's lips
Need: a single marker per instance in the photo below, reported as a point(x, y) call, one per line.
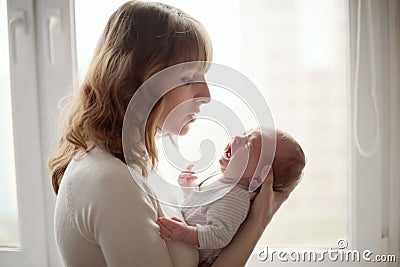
point(190, 118)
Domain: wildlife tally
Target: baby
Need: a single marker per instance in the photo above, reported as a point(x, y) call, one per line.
point(212, 226)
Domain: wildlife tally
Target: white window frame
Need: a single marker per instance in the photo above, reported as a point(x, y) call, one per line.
point(39, 78)
point(26, 133)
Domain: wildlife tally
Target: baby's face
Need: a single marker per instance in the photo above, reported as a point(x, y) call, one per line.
point(243, 148)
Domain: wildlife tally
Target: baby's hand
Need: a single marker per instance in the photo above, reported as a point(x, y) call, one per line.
point(175, 229)
point(172, 229)
point(186, 178)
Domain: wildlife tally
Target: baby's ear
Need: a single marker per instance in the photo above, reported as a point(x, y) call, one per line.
point(264, 172)
point(254, 184)
point(258, 180)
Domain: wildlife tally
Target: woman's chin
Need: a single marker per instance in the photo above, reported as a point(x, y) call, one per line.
point(185, 129)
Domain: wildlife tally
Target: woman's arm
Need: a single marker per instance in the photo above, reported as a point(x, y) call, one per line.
point(261, 212)
point(122, 218)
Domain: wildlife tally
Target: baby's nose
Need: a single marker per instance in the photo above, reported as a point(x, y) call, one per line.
point(238, 139)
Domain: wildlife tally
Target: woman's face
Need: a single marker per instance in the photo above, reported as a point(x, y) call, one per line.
point(182, 104)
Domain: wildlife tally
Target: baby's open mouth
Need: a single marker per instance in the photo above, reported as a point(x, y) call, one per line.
point(228, 152)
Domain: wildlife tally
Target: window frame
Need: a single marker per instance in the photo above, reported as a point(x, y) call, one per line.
point(27, 143)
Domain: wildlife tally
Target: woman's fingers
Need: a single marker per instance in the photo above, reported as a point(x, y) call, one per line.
point(266, 187)
point(281, 197)
point(268, 201)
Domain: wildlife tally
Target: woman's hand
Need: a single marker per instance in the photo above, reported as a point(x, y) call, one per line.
point(267, 201)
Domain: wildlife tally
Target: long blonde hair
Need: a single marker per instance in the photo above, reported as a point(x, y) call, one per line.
point(139, 40)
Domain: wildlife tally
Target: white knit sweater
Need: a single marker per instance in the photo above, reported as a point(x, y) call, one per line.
point(104, 218)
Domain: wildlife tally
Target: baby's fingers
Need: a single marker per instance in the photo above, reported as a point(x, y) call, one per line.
point(184, 175)
point(165, 232)
point(189, 169)
point(166, 238)
point(176, 219)
point(170, 224)
point(164, 229)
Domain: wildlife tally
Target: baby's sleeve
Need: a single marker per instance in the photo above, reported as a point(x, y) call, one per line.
point(223, 218)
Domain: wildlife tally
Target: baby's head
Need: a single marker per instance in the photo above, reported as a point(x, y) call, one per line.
point(287, 163)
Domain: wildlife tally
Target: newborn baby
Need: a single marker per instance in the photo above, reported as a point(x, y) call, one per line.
point(212, 226)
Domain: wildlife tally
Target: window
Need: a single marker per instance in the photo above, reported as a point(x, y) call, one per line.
point(29, 245)
point(9, 234)
point(301, 70)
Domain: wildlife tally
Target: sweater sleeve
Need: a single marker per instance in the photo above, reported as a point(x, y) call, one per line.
point(120, 217)
point(223, 218)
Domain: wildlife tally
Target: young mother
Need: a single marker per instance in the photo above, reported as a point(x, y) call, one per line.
point(102, 216)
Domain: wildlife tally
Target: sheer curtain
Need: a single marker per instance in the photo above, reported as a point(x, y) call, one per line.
point(374, 82)
point(295, 51)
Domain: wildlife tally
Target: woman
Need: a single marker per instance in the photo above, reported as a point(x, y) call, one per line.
point(102, 216)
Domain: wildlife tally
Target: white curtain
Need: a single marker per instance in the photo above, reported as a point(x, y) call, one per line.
point(375, 93)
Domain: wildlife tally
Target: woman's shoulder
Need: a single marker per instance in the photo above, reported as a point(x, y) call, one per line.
point(96, 159)
point(99, 174)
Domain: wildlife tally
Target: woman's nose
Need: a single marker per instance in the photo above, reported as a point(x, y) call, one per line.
point(203, 93)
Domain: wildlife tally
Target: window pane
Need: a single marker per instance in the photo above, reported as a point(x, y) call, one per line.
point(8, 197)
point(88, 31)
point(297, 56)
